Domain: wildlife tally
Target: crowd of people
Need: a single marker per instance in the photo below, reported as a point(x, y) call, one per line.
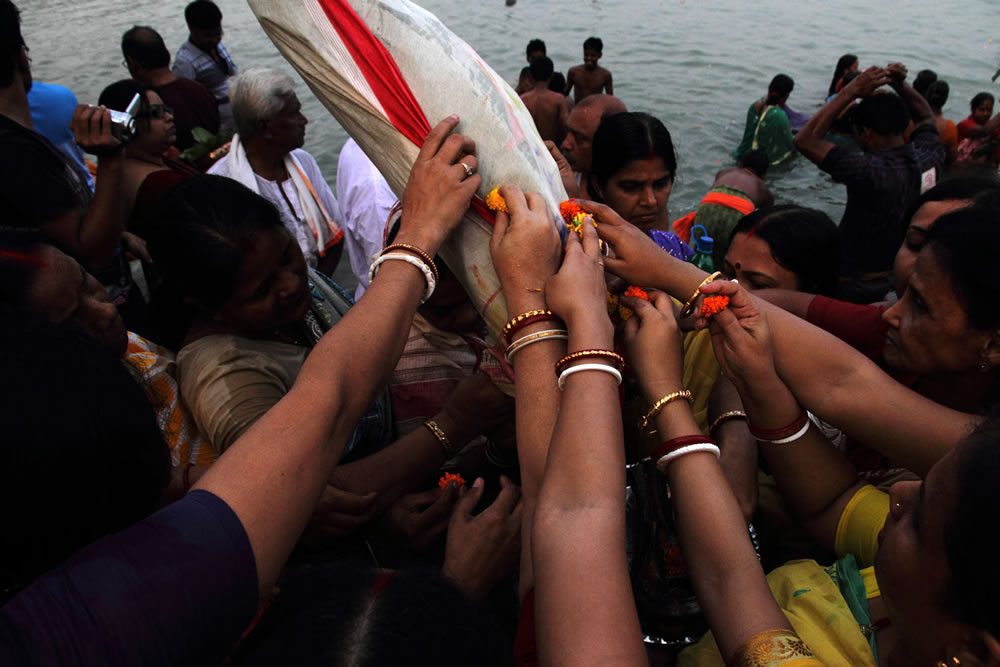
point(746, 436)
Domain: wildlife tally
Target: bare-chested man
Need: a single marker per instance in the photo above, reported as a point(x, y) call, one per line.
point(588, 78)
point(536, 48)
point(547, 107)
point(577, 146)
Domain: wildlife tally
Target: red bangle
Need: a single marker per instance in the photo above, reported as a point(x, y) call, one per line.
point(611, 355)
point(778, 433)
point(541, 317)
point(676, 443)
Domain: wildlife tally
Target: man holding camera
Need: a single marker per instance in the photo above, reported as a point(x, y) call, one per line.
point(40, 188)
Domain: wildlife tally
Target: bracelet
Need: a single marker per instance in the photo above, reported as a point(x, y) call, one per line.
point(727, 416)
point(527, 321)
point(409, 259)
point(792, 438)
point(432, 426)
point(676, 443)
point(655, 410)
point(689, 306)
point(525, 341)
point(416, 251)
point(516, 321)
point(604, 368)
point(665, 461)
point(585, 354)
point(768, 435)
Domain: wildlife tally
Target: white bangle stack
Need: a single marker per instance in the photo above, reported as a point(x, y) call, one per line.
point(531, 339)
point(409, 259)
point(604, 368)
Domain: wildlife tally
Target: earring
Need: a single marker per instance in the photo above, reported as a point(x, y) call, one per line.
point(984, 367)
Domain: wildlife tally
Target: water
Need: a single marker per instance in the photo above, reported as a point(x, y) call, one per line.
point(695, 64)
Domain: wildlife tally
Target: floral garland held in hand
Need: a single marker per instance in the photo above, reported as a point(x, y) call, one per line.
point(451, 477)
point(711, 305)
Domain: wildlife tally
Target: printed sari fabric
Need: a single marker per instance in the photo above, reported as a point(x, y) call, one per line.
point(768, 130)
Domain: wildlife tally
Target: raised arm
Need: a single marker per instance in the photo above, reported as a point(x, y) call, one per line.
point(920, 110)
point(525, 248)
point(855, 394)
point(273, 490)
point(811, 139)
point(579, 523)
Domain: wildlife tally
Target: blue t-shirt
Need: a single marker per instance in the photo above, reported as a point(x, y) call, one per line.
point(177, 588)
point(52, 108)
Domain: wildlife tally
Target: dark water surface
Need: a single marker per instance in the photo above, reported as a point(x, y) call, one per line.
point(695, 64)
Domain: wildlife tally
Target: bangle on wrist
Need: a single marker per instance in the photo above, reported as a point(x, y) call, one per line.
point(784, 435)
point(524, 319)
point(676, 443)
point(437, 432)
point(531, 339)
point(701, 444)
point(428, 260)
point(409, 259)
point(611, 355)
point(604, 368)
point(688, 307)
point(725, 417)
point(658, 405)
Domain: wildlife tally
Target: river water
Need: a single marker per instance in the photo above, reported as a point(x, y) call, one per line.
point(695, 64)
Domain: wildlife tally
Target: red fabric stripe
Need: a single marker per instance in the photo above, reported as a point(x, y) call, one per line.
point(382, 74)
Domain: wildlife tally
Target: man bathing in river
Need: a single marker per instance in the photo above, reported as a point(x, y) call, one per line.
point(589, 78)
point(547, 107)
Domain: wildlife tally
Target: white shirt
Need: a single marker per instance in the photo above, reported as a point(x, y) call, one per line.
point(293, 218)
point(365, 202)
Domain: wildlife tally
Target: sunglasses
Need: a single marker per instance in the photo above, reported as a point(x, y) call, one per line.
point(157, 111)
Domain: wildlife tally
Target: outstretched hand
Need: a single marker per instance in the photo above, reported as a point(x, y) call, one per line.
point(578, 291)
point(525, 247)
point(740, 336)
point(439, 190)
point(654, 346)
point(635, 257)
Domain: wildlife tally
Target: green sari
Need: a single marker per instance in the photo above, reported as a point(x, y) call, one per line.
point(769, 131)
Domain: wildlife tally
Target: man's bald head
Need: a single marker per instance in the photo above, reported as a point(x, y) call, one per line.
point(143, 46)
point(582, 125)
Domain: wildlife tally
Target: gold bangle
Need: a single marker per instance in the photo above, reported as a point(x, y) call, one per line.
point(432, 426)
point(655, 410)
point(522, 317)
point(416, 251)
point(689, 306)
point(726, 416)
point(524, 341)
point(584, 354)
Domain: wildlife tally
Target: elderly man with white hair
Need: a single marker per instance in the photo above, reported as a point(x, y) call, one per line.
point(266, 156)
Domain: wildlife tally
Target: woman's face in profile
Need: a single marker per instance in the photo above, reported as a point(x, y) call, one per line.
point(639, 193)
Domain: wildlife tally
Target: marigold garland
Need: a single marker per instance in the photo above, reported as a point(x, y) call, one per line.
point(495, 201)
point(637, 292)
point(574, 216)
point(451, 477)
point(714, 304)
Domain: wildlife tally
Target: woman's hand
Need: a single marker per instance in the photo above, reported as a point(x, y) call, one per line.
point(525, 247)
point(578, 293)
point(340, 512)
point(417, 519)
point(636, 257)
point(483, 549)
point(438, 191)
point(654, 346)
point(740, 337)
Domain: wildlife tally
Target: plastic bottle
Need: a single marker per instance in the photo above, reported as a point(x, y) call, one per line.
point(703, 250)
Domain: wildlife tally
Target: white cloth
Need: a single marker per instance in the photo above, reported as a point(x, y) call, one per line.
point(365, 202)
point(311, 220)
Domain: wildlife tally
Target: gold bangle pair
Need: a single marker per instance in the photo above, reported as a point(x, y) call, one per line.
point(658, 406)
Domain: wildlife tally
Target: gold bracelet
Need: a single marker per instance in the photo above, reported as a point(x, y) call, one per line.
point(726, 416)
point(655, 410)
point(514, 321)
point(689, 306)
point(416, 251)
point(525, 341)
point(584, 354)
point(449, 449)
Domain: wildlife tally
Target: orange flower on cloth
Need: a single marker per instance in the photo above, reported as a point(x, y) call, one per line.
point(496, 202)
point(451, 477)
point(714, 304)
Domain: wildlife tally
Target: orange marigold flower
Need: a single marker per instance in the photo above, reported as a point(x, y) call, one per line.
point(714, 304)
point(569, 209)
point(637, 292)
point(496, 202)
point(451, 477)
